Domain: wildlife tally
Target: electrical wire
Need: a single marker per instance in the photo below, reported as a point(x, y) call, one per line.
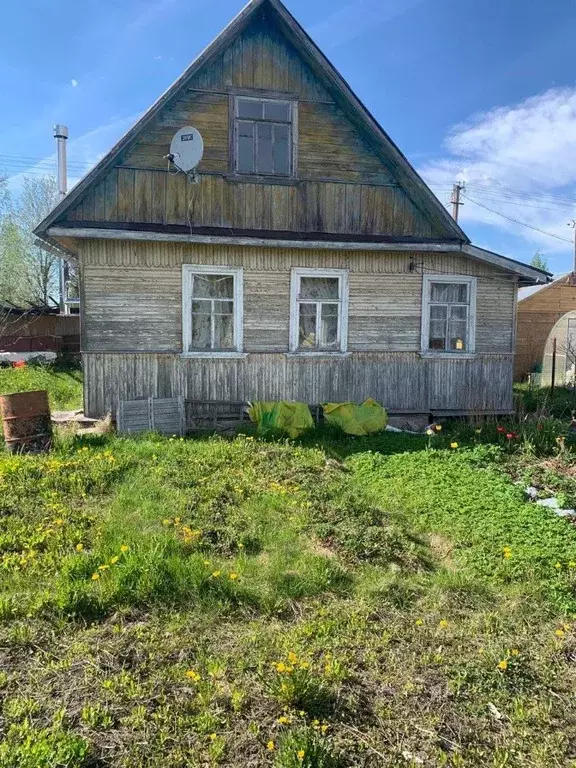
point(516, 221)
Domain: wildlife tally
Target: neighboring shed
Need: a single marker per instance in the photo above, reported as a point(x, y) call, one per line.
point(38, 329)
point(540, 307)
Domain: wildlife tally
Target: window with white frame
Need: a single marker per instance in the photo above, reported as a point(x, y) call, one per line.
point(448, 314)
point(319, 310)
point(264, 136)
point(212, 309)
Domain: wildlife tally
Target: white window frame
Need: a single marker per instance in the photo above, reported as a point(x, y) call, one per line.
point(237, 273)
point(297, 274)
point(292, 131)
point(471, 282)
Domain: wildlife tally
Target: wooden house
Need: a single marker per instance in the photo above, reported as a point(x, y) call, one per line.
point(546, 312)
point(309, 261)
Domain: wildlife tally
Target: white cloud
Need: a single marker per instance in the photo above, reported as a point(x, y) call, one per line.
point(73, 83)
point(352, 20)
point(157, 58)
point(518, 160)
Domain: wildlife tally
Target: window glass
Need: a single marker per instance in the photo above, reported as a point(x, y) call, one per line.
point(250, 108)
point(319, 288)
point(329, 327)
point(307, 335)
point(449, 293)
point(263, 137)
point(265, 148)
point(212, 313)
point(213, 287)
point(448, 317)
point(277, 110)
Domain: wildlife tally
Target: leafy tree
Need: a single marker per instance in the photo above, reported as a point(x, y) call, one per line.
point(540, 261)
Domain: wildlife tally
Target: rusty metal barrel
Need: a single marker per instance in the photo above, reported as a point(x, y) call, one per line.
point(26, 420)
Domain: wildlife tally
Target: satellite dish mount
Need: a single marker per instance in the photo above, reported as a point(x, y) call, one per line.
point(186, 151)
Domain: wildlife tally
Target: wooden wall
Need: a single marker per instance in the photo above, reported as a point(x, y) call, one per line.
point(133, 330)
point(342, 184)
point(537, 316)
point(132, 295)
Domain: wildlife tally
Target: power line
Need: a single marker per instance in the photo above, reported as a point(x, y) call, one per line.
point(516, 221)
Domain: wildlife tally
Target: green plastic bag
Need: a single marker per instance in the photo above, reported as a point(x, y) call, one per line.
point(292, 418)
point(356, 419)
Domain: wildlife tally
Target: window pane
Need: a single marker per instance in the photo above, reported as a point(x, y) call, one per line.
point(201, 307)
point(458, 312)
point(449, 293)
point(224, 307)
point(329, 325)
point(437, 334)
point(201, 331)
point(307, 334)
point(277, 111)
point(281, 150)
point(265, 159)
point(246, 147)
point(438, 312)
point(317, 288)
point(458, 335)
point(250, 108)
point(213, 287)
point(223, 332)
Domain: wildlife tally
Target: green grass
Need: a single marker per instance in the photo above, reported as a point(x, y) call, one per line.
point(336, 602)
point(64, 384)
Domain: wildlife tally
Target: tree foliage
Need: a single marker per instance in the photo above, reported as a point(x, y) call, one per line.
point(28, 274)
point(540, 261)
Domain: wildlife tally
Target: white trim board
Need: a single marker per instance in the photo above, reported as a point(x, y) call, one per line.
point(296, 274)
point(188, 272)
point(472, 283)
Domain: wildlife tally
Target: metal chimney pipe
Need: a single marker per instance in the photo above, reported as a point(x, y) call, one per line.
point(61, 136)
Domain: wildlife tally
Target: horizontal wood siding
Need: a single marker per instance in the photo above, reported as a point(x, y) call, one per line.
point(401, 381)
point(342, 185)
point(133, 295)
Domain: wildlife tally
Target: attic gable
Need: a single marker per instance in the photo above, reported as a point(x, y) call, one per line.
point(348, 145)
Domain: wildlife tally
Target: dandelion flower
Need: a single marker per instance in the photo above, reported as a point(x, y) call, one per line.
point(507, 553)
point(270, 746)
point(560, 633)
point(514, 652)
point(558, 566)
point(191, 674)
point(301, 754)
point(503, 665)
point(419, 622)
point(114, 560)
point(284, 720)
point(572, 564)
point(233, 576)
point(281, 667)
point(103, 567)
point(292, 658)
point(95, 576)
point(454, 445)
point(124, 548)
point(216, 574)
point(443, 624)
point(213, 736)
point(324, 728)
point(79, 547)
point(166, 521)
point(207, 562)
point(240, 546)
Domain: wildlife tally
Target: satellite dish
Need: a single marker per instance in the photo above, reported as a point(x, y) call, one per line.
point(187, 149)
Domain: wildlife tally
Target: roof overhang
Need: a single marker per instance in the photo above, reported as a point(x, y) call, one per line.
point(526, 274)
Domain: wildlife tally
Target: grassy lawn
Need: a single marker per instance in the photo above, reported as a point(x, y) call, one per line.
point(64, 384)
point(338, 602)
point(329, 602)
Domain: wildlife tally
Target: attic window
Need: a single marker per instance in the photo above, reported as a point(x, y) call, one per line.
point(263, 136)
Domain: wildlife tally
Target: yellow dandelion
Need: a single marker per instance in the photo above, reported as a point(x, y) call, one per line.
point(304, 665)
point(324, 728)
point(292, 658)
point(166, 521)
point(124, 548)
point(503, 665)
point(558, 566)
point(213, 736)
point(95, 576)
point(572, 564)
point(114, 560)
point(301, 754)
point(514, 652)
point(454, 445)
point(270, 746)
point(284, 720)
point(103, 567)
point(419, 622)
point(207, 562)
point(79, 547)
point(216, 574)
point(281, 667)
point(233, 576)
point(240, 546)
point(507, 553)
point(560, 633)
point(443, 624)
point(191, 674)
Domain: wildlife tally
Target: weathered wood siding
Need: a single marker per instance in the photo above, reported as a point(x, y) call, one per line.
point(342, 184)
point(132, 331)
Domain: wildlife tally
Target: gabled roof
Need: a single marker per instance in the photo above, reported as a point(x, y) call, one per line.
point(526, 293)
point(406, 175)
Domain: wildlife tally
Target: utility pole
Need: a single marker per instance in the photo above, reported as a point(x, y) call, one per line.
point(61, 136)
point(457, 189)
point(573, 225)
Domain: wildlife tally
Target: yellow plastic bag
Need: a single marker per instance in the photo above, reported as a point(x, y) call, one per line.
point(292, 418)
point(356, 419)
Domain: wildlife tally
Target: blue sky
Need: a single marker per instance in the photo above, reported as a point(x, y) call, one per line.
point(483, 91)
